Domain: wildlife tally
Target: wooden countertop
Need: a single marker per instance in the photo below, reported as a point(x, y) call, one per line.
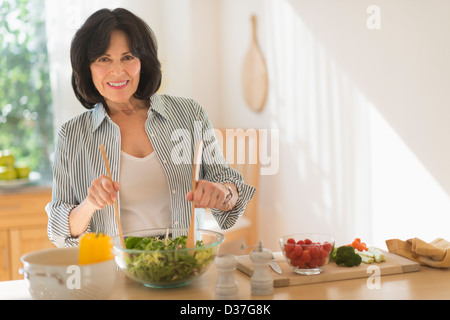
point(41, 186)
point(428, 283)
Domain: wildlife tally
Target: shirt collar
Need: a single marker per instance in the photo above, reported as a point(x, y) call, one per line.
point(98, 115)
point(99, 112)
point(157, 104)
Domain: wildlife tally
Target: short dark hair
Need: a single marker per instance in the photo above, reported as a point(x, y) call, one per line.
point(92, 41)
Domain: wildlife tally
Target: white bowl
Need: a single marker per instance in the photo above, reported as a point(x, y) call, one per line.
point(55, 274)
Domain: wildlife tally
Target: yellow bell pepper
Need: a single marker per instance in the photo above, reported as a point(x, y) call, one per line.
point(95, 247)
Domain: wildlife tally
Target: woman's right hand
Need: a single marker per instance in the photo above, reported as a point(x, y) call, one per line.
point(102, 192)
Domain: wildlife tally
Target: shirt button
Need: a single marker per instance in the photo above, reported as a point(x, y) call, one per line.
point(175, 222)
point(173, 191)
point(164, 161)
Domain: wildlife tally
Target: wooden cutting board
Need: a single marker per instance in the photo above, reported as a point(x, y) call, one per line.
point(394, 264)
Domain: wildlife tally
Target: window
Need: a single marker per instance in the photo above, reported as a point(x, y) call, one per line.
point(26, 122)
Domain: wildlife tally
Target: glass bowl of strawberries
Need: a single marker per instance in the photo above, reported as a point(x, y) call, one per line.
point(307, 253)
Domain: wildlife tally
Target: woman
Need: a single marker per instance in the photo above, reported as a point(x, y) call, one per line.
point(149, 140)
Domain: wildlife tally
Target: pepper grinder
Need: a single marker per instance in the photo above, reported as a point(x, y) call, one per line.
point(261, 280)
point(226, 287)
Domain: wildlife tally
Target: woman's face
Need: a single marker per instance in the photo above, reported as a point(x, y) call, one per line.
point(116, 73)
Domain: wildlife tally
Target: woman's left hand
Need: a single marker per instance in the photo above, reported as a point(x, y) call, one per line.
point(212, 195)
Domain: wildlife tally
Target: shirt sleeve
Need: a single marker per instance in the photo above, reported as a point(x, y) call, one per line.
point(215, 169)
point(63, 199)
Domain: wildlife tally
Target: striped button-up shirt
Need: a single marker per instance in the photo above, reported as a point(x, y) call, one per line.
point(174, 125)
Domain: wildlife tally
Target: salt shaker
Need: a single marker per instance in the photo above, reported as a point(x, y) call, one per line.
point(261, 280)
point(226, 287)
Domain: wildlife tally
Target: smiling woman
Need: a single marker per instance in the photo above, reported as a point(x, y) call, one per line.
point(116, 74)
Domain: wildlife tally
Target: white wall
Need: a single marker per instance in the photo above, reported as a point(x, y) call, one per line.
point(401, 68)
point(362, 115)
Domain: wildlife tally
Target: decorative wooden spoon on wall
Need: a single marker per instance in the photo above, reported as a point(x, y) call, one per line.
point(254, 74)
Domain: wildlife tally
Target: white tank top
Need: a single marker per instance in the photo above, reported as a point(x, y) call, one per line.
point(144, 195)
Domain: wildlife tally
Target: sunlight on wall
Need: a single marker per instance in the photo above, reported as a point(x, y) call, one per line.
point(348, 172)
point(407, 201)
point(323, 180)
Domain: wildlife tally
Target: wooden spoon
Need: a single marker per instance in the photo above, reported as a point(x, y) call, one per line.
point(190, 242)
point(254, 74)
point(116, 209)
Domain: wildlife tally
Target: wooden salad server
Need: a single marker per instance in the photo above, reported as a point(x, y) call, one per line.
point(116, 208)
point(190, 243)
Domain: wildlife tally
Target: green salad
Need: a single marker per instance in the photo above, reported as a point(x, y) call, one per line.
point(166, 262)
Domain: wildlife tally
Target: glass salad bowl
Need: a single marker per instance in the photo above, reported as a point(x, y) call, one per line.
point(159, 258)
